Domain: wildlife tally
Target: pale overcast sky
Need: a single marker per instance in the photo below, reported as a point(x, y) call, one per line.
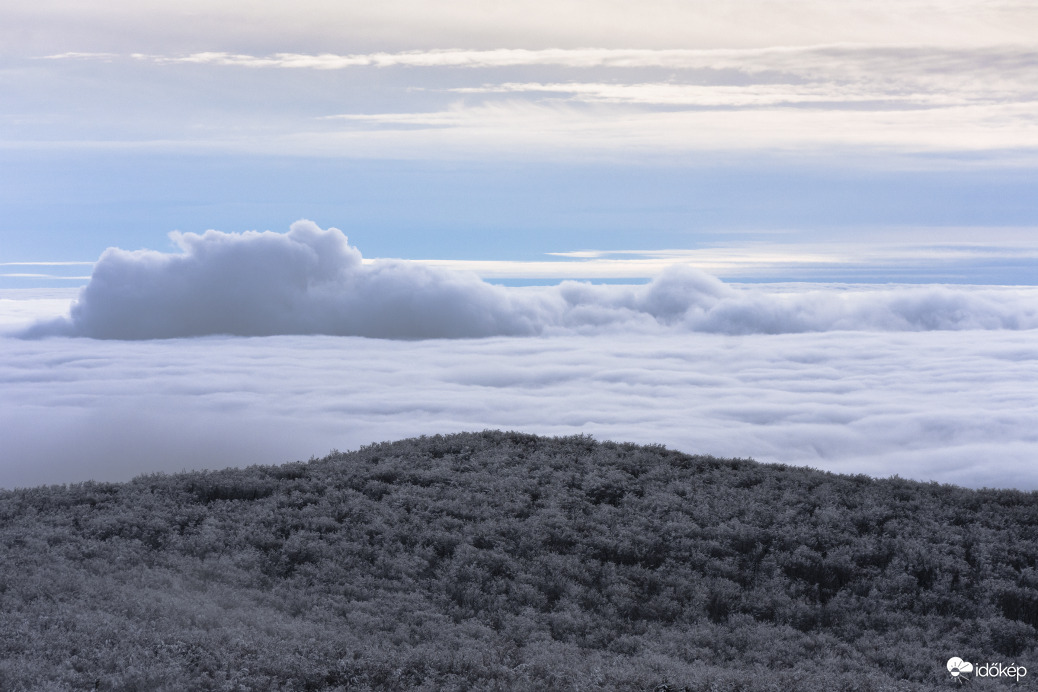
point(847, 140)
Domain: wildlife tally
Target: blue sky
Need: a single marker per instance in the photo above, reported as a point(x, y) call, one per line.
point(856, 141)
point(69, 207)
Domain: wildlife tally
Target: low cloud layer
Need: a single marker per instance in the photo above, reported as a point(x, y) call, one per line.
point(311, 281)
point(954, 407)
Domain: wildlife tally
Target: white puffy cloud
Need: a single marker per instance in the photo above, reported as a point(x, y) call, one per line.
point(311, 281)
point(308, 280)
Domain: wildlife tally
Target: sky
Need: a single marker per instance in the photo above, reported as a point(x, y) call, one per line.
point(520, 183)
point(802, 140)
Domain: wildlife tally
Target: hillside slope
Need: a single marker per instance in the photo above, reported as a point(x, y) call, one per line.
point(507, 561)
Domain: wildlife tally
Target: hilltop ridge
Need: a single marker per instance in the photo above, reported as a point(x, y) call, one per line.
point(500, 560)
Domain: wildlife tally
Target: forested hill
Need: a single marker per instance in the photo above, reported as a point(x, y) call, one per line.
point(507, 561)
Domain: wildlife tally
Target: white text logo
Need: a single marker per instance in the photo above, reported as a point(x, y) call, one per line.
point(960, 670)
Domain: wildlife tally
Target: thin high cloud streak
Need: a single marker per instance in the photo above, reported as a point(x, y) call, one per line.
point(954, 407)
point(848, 76)
point(311, 281)
point(322, 26)
point(563, 103)
point(847, 59)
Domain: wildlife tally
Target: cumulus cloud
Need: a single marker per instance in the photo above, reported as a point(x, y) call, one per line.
point(306, 281)
point(311, 281)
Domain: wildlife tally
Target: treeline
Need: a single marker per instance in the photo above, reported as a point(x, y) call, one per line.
point(507, 561)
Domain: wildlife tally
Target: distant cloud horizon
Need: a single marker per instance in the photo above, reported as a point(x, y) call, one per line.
point(312, 281)
point(963, 256)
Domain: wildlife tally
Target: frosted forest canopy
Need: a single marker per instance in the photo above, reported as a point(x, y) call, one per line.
point(507, 561)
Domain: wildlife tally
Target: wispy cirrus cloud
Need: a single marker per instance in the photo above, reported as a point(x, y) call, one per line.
point(321, 26)
point(874, 61)
point(555, 128)
point(26, 275)
point(59, 270)
point(47, 264)
point(647, 101)
point(722, 96)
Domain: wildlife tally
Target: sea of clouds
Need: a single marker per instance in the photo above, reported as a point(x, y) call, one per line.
point(265, 348)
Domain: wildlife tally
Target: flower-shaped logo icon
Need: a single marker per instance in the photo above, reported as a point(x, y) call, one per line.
point(956, 666)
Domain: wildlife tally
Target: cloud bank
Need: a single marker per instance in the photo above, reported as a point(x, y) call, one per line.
point(306, 281)
point(311, 281)
point(954, 407)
